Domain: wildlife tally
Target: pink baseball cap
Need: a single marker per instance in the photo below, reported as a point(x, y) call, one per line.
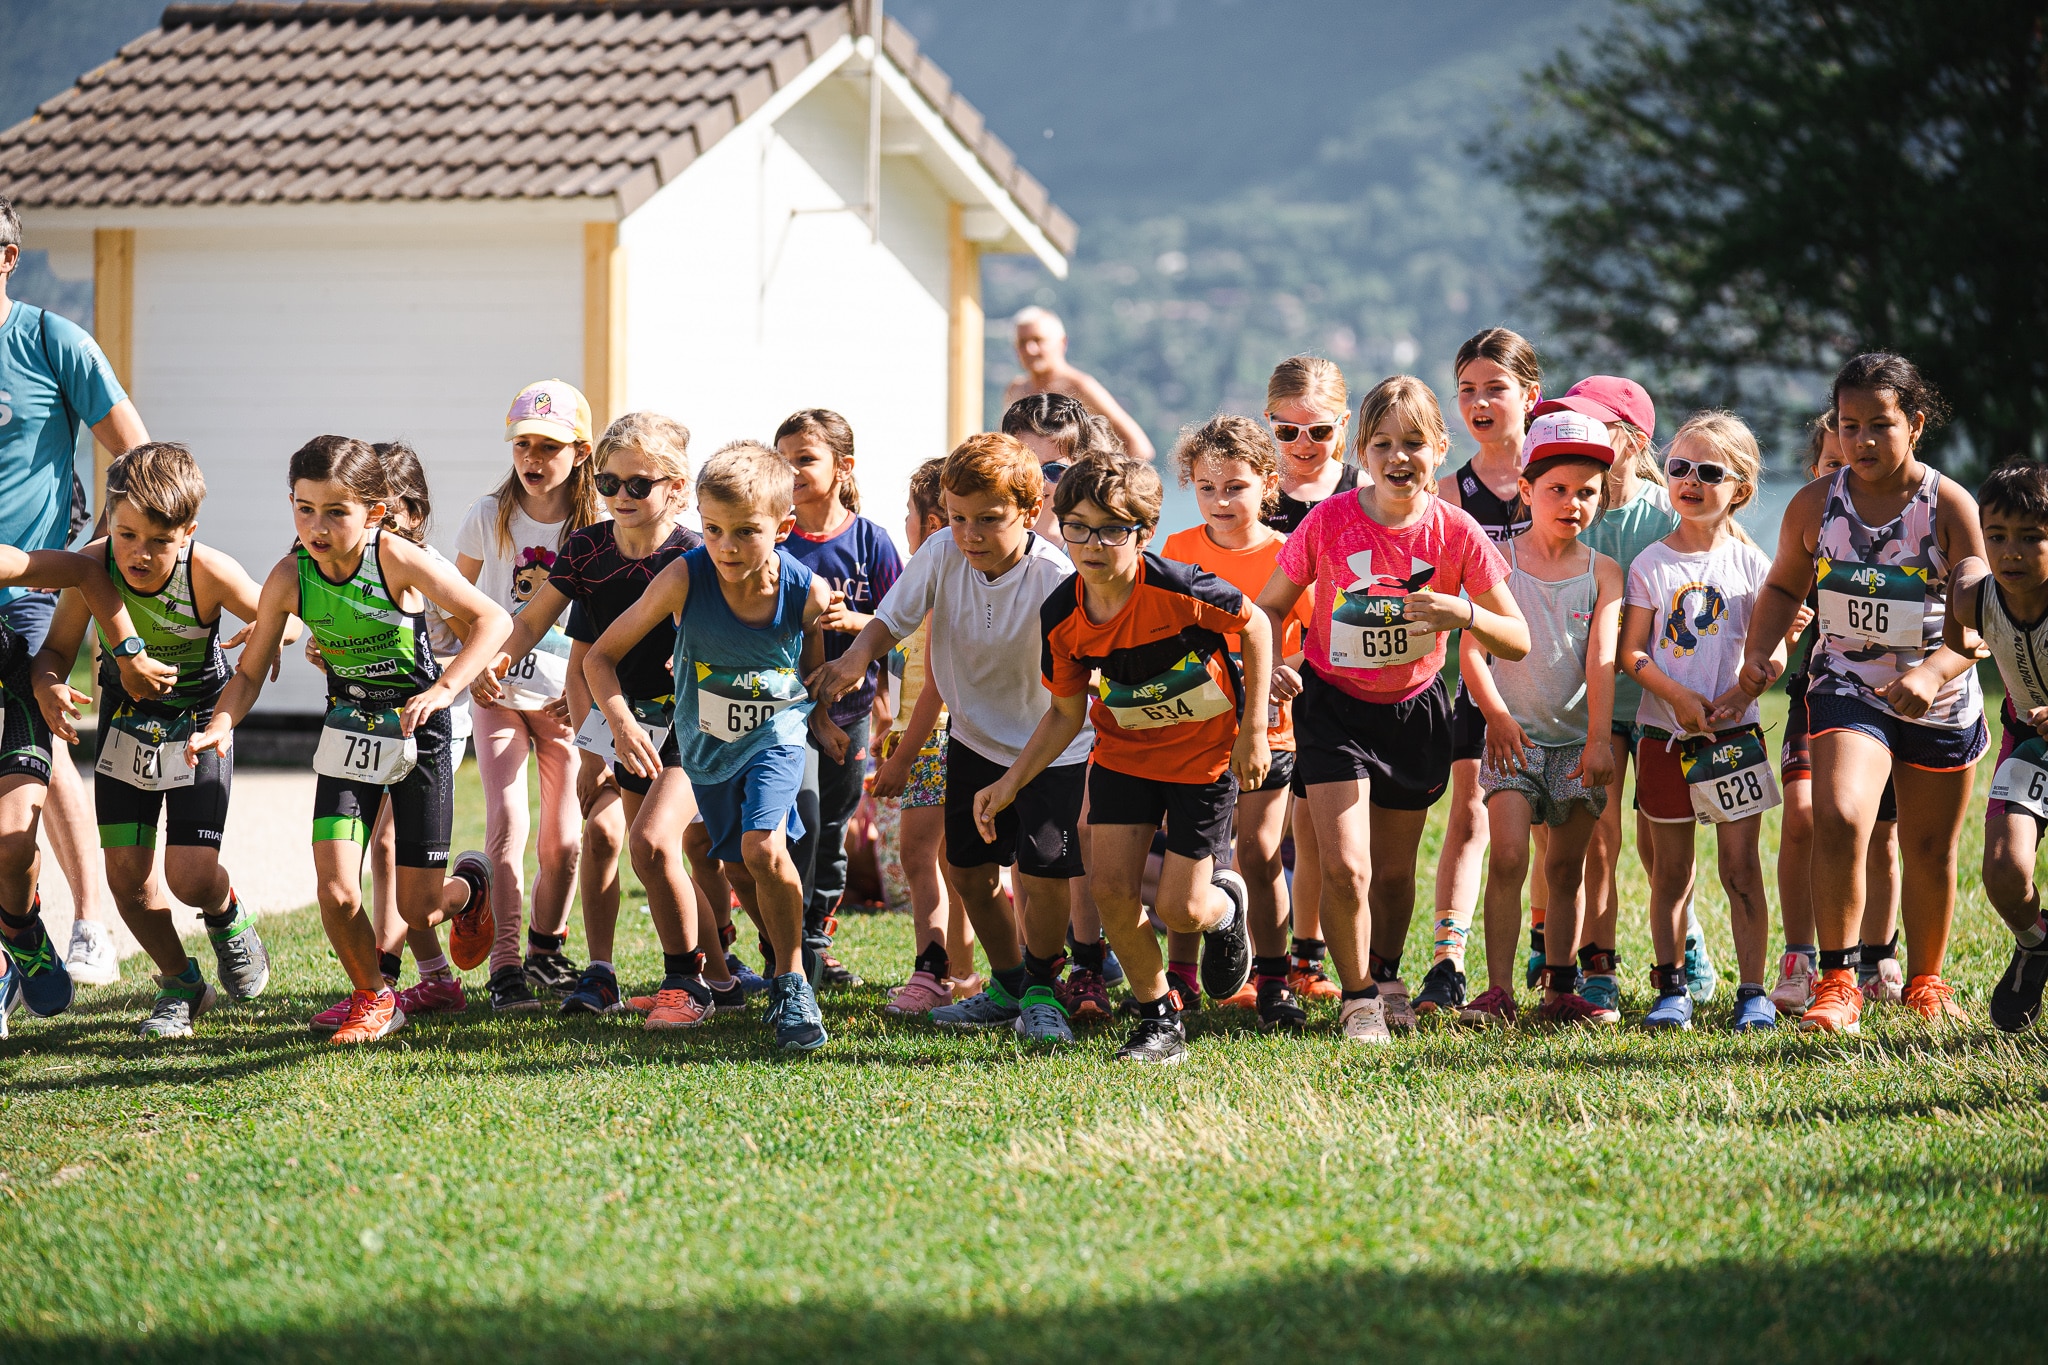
point(1567, 431)
point(553, 408)
point(1607, 398)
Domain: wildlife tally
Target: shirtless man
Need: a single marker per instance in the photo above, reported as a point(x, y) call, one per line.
point(1042, 349)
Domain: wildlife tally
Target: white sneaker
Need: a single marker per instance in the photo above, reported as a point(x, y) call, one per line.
point(1888, 986)
point(1399, 1009)
point(1793, 995)
point(1364, 1021)
point(92, 960)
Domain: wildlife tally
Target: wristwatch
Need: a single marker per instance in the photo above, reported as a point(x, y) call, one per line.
point(128, 648)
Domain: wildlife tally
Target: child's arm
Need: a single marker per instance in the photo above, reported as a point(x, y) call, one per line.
point(829, 682)
point(828, 733)
point(465, 607)
point(892, 774)
point(1507, 744)
point(273, 610)
point(1277, 599)
point(1252, 755)
point(1056, 730)
point(1784, 592)
point(50, 672)
point(1688, 707)
point(220, 581)
point(534, 620)
point(1491, 615)
point(665, 597)
point(1965, 604)
point(1596, 764)
point(140, 674)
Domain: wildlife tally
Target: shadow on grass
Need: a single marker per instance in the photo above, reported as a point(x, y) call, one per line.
point(1919, 1307)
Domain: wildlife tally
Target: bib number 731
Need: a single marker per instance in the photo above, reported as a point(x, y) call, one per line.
point(364, 746)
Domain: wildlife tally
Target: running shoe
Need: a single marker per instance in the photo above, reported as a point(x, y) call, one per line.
point(469, 940)
point(751, 981)
point(1670, 1012)
point(1397, 1007)
point(992, 1008)
point(596, 992)
point(551, 973)
point(1603, 992)
point(371, 1015)
point(1247, 998)
point(178, 1003)
point(1086, 996)
point(46, 988)
point(1161, 1042)
point(92, 960)
point(728, 997)
point(1364, 1021)
point(509, 992)
point(1532, 972)
point(1565, 1010)
point(239, 955)
point(331, 1018)
point(1227, 949)
point(836, 975)
point(1112, 968)
point(1309, 982)
point(679, 1007)
point(1279, 1011)
point(1494, 1008)
point(1042, 1018)
point(1837, 1005)
point(1701, 979)
point(433, 996)
point(10, 993)
point(1886, 984)
point(1443, 990)
point(1755, 1013)
point(2016, 999)
point(1796, 978)
point(922, 994)
point(1933, 1000)
point(793, 1009)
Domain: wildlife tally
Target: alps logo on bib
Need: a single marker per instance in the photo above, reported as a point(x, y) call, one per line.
point(1885, 604)
point(734, 702)
point(147, 752)
point(1728, 775)
point(1368, 628)
point(1183, 695)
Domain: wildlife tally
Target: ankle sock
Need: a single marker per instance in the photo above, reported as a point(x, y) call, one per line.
point(1162, 1008)
point(538, 942)
point(1840, 959)
point(1809, 951)
point(1870, 954)
point(1269, 968)
point(436, 968)
point(226, 915)
point(933, 960)
point(1186, 976)
point(598, 964)
point(2036, 936)
point(1089, 957)
point(190, 976)
point(1369, 993)
point(1015, 980)
point(389, 965)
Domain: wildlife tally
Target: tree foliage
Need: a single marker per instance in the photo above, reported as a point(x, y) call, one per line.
point(1732, 193)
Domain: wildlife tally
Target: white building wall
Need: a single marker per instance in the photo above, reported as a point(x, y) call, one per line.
point(250, 341)
point(745, 304)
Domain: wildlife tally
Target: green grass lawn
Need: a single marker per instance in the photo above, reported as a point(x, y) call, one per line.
point(543, 1190)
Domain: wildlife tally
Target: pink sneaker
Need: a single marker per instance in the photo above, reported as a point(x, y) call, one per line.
point(1887, 986)
point(433, 997)
point(919, 995)
point(331, 1018)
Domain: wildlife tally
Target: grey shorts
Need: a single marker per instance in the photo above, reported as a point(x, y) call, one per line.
point(1545, 782)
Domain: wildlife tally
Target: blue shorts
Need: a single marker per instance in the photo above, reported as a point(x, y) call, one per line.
point(1916, 746)
point(29, 616)
point(760, 796)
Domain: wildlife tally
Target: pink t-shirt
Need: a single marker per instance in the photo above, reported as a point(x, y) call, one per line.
point(1362, 570)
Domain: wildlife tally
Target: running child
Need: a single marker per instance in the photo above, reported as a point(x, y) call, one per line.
point(387, 737)
point(175, 590)
point(2004, 598)
point(1548, 715)
point(1373, 729)
point(1232, 464)
point(981, 581)
point(747, 630)
point(859, 564)
point(1701, 759)
point(508, 545)
point(1150, 639)
point(1885, 696)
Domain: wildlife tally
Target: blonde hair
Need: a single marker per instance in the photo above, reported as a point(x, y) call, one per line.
point(1230, 437)
point(1734, 444)
point(748, 474)
point(584, 505)
point(1413, 399)
point(1311, 378)
point(662, 441)
point(1647, 465)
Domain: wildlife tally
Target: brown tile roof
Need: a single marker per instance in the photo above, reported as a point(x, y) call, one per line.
point(260, 101)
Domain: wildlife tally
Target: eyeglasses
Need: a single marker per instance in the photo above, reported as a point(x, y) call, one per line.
point(608, 485)
point(1709, 474)
point(1287, 433)
point(1074, 533)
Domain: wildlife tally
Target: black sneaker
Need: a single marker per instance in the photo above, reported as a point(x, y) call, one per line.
point(551, 973)
point(2016, 999)
point(836, 975)
point(1443, 989)
point(1161, 1042)
point(1279, 1011)
point(731, 996)
point(1227, 952)
point(509, 992)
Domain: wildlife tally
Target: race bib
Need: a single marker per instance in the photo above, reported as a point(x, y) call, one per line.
point(542, 674)
point(654, 719)
point(1885, 604)
point(147, 752)
point(1368, 632)
point(358, 745)
point(2022, 780)
point(733, 703)
point(1729, 775)
point(1185, 694)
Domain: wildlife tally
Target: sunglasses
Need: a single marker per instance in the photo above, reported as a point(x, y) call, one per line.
point(1074, 533)
point(1709, 474)
point(608, 485)
point(1287, 433)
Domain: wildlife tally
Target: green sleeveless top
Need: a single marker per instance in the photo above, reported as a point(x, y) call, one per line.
point(168, 622)
point(375, 652)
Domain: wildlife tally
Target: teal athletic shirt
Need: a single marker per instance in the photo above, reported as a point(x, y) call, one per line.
point(36, 442)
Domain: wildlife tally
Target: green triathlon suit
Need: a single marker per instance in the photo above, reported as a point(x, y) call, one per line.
point(168, 621)
point(378, 657)
point(24, 738)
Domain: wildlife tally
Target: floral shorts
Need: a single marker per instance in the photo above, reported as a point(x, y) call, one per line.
point(1545, 781)
point(927, 784)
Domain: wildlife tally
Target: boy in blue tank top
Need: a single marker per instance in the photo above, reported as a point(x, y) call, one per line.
point(747, 632)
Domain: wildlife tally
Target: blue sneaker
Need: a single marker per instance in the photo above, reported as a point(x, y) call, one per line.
point(751, 981)
point(1532, 974)
point(1670, 1012)
point(1700, 977)
point(10, 994)
point(596, 992)
point(793, 1009)
point(1757, 1012)
point(44, 984)
point(1042, 1019)
point(993, 1007)
point(1602, 992)
point(1112, 970)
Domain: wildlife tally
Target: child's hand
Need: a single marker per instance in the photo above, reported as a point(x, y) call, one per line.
point(1692, 712)
point(419, 708)
point(831, 739)
point(593, 779)
point(1757, 676)
point(1730, 705)
point(634, 751)
point(60, 702)
point(892, 774)
point(556, 709)
point(834, 680)
point(990, 802)
point(240, 637)
point(837, 617)
point(486, 690)
point(2038, 718)
point(1286, 684)
point(1436, 611)
point(1913, 691)
point(1801, 619)
point(145, 677)
point(215, 736)
point(1596, 764)
point(1506, 743)
point(1251, 758)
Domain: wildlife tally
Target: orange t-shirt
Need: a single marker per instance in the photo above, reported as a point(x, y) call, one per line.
point(1167, 703)
point(1249, 571)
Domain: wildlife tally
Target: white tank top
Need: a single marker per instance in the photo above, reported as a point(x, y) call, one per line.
point(2019, 650)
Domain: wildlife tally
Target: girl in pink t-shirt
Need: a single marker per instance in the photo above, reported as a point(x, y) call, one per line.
point(1388, 564)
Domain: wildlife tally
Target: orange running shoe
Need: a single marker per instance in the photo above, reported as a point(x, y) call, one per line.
point(470, 942)
point(1307, 982)
point(1837, 1004)
point(678, 1009)
point(1247, 998)
point(371, 1015)
point(1933, 1000)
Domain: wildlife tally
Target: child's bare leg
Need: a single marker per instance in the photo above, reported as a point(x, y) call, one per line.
point(1749, 910)
point(1563, 851)
point(597, 872)
point(144, 907)
point(338, 871)
point(1116, 872)
point(1507, 869)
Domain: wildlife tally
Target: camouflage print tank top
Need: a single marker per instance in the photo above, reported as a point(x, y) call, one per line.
point(1883, 594)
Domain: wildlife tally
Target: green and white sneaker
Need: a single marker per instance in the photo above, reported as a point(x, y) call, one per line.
point(991, 1008)
point(1701, 979)
point(178, 1003)
point(239, 955)
point(1044, 1018)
